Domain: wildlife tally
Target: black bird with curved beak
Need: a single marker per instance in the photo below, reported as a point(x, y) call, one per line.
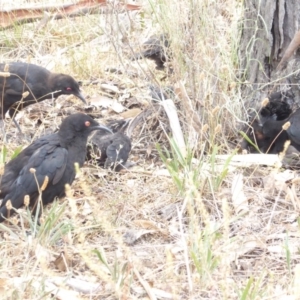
point(47, 164)
point(23, 84)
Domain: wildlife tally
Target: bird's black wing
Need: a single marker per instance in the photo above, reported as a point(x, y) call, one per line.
point(12, 88)
point(294, 130)
point(23, 77)
point(14, 167)
point(48, 161)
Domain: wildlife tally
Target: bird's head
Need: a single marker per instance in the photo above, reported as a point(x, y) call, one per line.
point(78, 125)
point(66, 85)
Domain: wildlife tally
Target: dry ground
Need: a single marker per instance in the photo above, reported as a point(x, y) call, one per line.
point(170, 227)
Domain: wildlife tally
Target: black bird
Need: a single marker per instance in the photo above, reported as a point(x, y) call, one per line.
point(274, 128)
point(276, 110)
point(52, 159)
point(281, 103)
point(156, 49)
point(112, 150)
point(265, 129)
point(274, 137)
point(39, 82)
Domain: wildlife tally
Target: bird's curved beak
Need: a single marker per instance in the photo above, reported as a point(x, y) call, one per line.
point(80, 96)
point(102, 127)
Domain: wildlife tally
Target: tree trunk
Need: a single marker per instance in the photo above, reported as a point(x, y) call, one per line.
point(269, 26)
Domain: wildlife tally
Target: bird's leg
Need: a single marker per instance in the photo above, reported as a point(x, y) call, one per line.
point(23, 135)
point(12, 113)
point(17, 125)
point(4, 137)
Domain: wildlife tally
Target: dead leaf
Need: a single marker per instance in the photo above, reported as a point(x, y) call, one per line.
point(133, 101)
point(168, 211)
point(146, 224)
point(131, 113)
point(286, 175)
point(160, 294)
point(105, 102)
point(161, 172)
point(62, 262)
point(278, 180)
point(100, 101)
point(269, 182)
point(86, 210)
point(239, 249)
point(117, 107)
point(133, 235)
point(79, 285)
point(149, 150)
point(59, 292)
point(110, 88)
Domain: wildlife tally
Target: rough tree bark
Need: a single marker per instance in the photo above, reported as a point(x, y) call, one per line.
point(269, 26)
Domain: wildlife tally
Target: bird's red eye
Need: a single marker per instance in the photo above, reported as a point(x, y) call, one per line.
point(87, 123)
point(68, 89)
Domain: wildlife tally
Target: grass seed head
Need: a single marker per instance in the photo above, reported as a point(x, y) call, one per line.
point(4, 74)
point(45, 183)
point(25, 94)
point(26, 200)
point(265, 102)
point(205, 128)
point(32, 170)
point(215, 110)
point(286, 125)
point(6, 68)
point(218, 129)
point(8, 205)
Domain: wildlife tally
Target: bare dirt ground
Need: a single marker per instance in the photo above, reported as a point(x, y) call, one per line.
point(171, 227)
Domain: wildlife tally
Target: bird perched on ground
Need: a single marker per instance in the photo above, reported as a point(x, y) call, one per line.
point(111, 150)
point(280, 131)
point(265, 129)
point(272, 135)
point(17, 78)
point(47, 164)
point(156, 49)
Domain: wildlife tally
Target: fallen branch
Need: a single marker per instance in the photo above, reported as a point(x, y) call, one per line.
point(13, 17)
